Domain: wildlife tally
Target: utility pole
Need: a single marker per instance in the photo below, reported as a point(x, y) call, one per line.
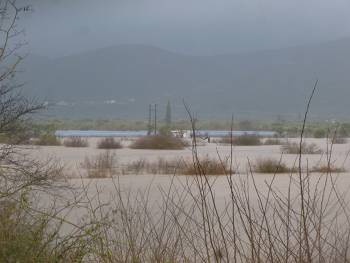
point(167, 118)
point(155, 119)
point(152, 127)
point(149, 120)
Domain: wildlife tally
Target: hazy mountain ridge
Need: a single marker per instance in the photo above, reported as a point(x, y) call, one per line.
point(266, 83)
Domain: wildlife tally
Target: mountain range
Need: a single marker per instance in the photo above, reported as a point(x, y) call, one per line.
point(121, 81)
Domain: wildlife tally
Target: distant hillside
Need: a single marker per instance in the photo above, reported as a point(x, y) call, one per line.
point(121, 81)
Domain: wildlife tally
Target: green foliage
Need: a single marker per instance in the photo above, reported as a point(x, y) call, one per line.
point(26, 236)
point(22, 238)
point(320, 133)
point(48, 140)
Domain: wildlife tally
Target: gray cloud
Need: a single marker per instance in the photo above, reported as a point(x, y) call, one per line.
point(61, 27)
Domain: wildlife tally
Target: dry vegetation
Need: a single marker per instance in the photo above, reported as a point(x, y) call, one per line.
point(273, 141)
point(109, 143)
point(159, 142)
point(48, 140)
point(339, 140)
point(271, 166)
point(247, 140)
point(294, 148)
point(257, 223)
point(100, 166)
point(326, 169)
point(161, 166)
point(77, 142)
point(243, 140)
point(209, 166)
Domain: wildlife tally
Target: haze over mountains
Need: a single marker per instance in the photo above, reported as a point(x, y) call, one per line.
point(120, 82)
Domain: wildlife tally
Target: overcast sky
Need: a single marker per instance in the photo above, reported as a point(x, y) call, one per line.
point(62, 27)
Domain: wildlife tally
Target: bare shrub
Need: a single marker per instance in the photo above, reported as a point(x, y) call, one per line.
point(294, 148)
point(243, 140)
point(271, 166)
point(247, 140)
point(100, 166)
point(77, 142)
point(224, 140)
point(208, 166)
point(161, 166)
point(339, 140)
point(136, 167)
point(325, 169)
point(273, 141)
point(159, 142)
point(109, 143)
